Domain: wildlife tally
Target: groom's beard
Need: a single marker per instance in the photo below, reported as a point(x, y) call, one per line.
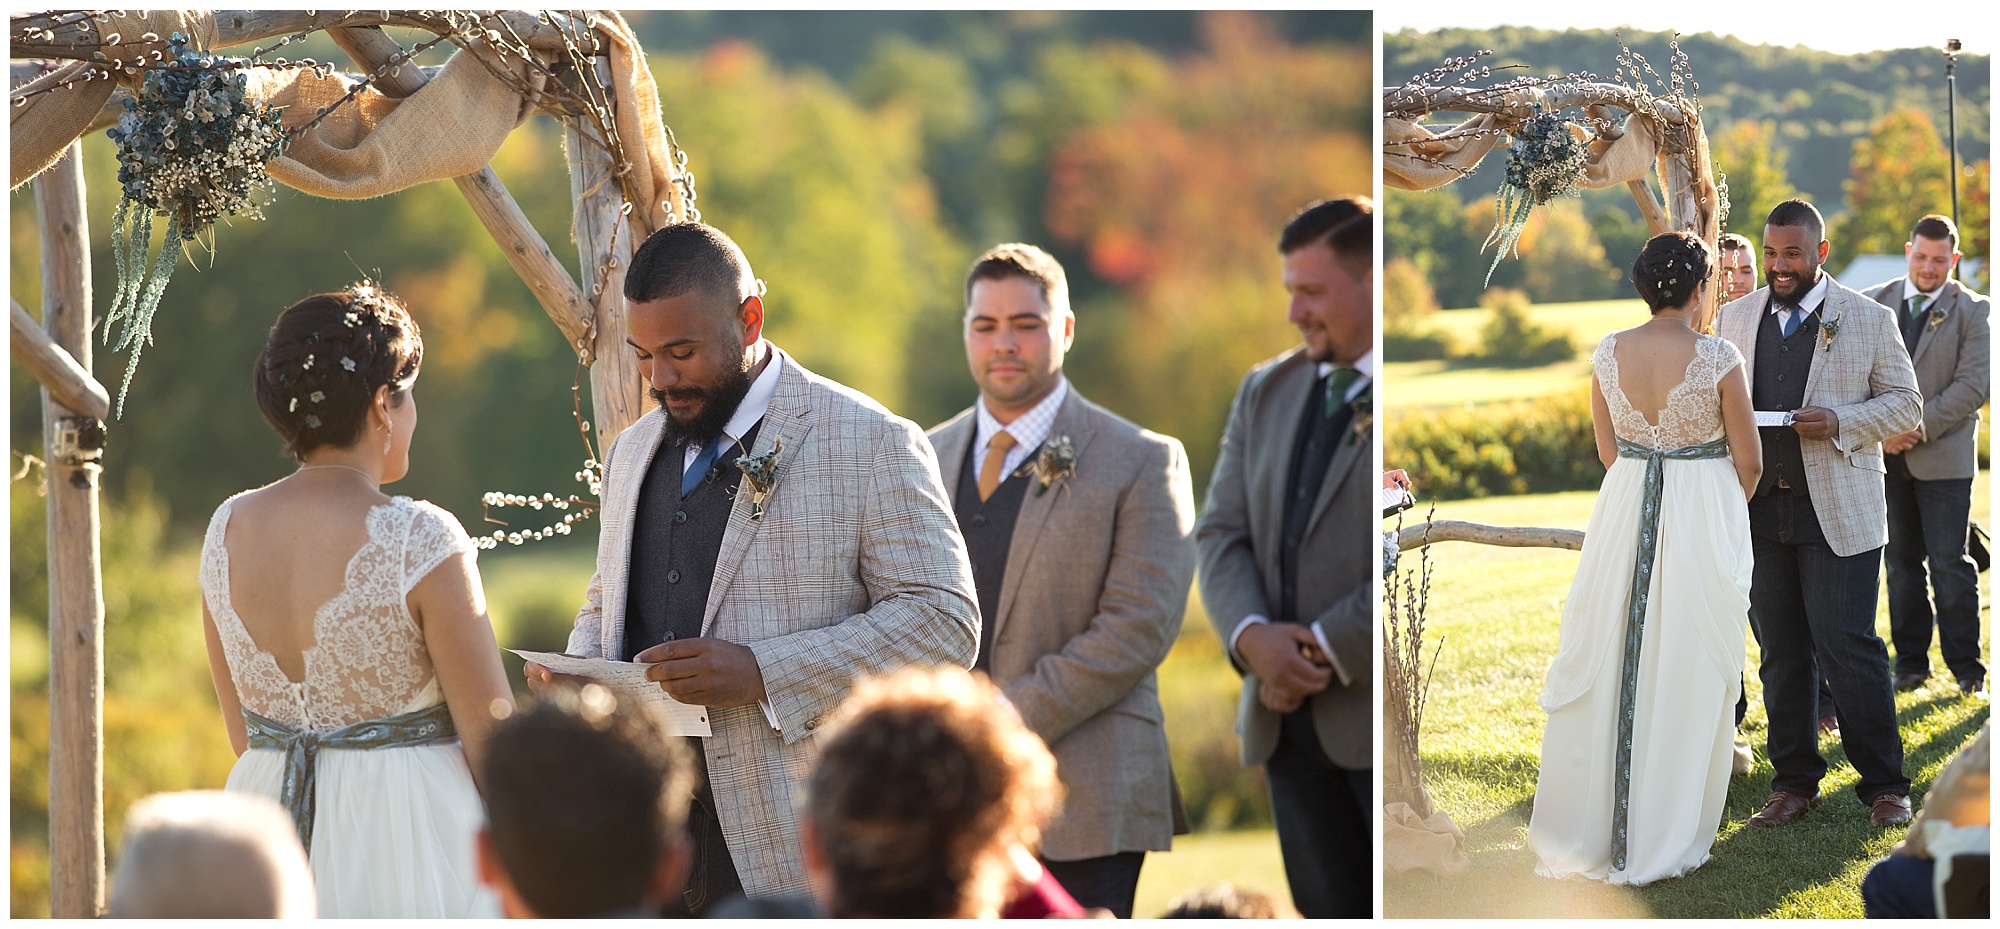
point(718, 404)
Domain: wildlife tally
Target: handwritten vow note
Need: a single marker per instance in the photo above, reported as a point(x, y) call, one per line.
point(1774, 417)
point(628, 680)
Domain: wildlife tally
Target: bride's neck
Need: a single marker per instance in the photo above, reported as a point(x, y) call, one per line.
point(344, 461)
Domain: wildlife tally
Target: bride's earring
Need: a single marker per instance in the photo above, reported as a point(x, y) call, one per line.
point(388, 439)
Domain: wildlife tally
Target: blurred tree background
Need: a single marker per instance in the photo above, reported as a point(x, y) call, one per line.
point(862, 160)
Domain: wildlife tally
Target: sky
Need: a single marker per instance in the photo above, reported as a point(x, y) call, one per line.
point(1841, 33)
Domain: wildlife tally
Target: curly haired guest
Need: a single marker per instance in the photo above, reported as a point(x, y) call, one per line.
point(926, 789)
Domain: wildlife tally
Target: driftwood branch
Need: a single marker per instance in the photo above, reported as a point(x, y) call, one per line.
point(67, 382)
point(505, 222)
point(1452, 530)
point(79, 37)
point(1417, 103)
point(76, 592)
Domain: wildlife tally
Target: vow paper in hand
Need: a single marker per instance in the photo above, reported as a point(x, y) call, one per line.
point(1774, 417)
point(628, 679)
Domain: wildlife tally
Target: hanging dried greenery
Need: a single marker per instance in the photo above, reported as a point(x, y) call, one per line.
point(191, 147)
point(1545, 162)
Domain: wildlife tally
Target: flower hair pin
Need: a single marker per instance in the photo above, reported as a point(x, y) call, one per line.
point(1055, 461)
point(762, 473)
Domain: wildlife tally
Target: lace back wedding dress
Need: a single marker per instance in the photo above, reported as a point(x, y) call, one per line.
point(391, 828)
point(1640, 697)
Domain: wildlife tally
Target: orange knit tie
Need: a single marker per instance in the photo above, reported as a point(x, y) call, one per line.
point(996, 454)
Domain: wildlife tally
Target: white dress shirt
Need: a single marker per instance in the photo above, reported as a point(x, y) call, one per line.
point(1029, 429)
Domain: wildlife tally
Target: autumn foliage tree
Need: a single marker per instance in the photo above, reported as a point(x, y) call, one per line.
point(1901, 171)
point(1178, 201)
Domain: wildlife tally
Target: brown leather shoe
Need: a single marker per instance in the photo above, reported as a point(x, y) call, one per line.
point(1889, 810)
point(1782, 809)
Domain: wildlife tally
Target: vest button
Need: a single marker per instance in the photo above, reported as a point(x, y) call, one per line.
point(1781, 378)
point(673, 577)
point(680, 517)
point(1784, 348)
point(978, 520)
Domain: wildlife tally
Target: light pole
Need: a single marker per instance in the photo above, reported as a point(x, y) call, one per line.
point(1951, 48)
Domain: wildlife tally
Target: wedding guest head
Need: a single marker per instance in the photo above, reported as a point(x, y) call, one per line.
point(336, 373)
point(1671, 270)
point(1225, 901)
point(1018, 326)
point(586, 808)
point(696, 315)
point(1794, 248)
point(1737, 259)
point(925, 784)
point(1932, 252)
point(209, 854)
point(1329, 271)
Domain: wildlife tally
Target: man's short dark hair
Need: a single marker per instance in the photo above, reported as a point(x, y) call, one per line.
point(1936, 228)
point(1797, 212)
point(1346, 225)
point(685, 257)
point(1014, 259)
point(583, 795)
point(1730, 242)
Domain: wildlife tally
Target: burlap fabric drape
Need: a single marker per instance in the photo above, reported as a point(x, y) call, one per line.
point(1416, 158)
point(375, 144)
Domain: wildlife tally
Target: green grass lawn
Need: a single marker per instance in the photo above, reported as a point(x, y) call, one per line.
point(1496, 611)
point(1442, 383)
point(1247, 859)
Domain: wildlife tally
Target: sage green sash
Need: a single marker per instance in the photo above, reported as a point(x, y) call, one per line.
point(1635, 615)
point(423, 727)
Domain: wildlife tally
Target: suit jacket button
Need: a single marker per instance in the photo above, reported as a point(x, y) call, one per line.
point(812, 724)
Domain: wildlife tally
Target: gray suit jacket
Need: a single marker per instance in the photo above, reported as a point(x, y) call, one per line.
point(1954, 362)
point(856, 568)
point(1097, 581)
point(1864, 377)
point(1340, 560)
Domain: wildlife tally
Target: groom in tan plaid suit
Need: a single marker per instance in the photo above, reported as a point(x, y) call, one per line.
point(760, 592)
point(1834, 359)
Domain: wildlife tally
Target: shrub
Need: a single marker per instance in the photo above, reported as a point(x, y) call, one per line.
point(1509, 339)
point(1407, 297)
point(1518, 447)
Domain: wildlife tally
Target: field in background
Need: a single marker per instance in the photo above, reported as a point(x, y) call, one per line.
point(1443, 383)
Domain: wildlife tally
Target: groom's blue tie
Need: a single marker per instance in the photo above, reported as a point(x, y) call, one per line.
point(691, 478)
point(1793, 316)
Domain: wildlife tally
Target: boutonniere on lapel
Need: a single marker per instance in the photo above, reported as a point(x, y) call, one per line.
point(1936, 313)
point(762, 473)
point(1364, 415)
point(1829, 328)
point(1055, 461)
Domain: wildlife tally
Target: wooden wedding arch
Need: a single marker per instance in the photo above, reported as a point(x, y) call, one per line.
point(386, 127)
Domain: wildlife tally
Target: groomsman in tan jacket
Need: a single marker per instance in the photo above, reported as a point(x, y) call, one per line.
point(1079, 525)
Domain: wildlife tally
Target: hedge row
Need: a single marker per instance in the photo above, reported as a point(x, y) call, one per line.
point(1519, 447)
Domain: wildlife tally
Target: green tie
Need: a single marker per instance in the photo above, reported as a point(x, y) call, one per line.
point(1336, 388)
point(1917, 305)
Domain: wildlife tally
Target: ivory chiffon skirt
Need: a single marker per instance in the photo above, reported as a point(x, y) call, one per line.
point(1690, 659)
point(393, 830)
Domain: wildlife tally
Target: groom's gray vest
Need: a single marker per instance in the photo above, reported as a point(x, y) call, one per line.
point(1782, 368)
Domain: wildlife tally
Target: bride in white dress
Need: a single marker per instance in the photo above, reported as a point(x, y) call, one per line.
point(347, 630)
point(1636, 754)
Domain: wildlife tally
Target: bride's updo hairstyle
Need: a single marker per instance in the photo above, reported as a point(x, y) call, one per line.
point(1669, 269)
point(326, 355)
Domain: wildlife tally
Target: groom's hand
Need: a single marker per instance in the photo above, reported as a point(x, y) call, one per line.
point(1816, 422)
point(1278, 652)
point(705, 672)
